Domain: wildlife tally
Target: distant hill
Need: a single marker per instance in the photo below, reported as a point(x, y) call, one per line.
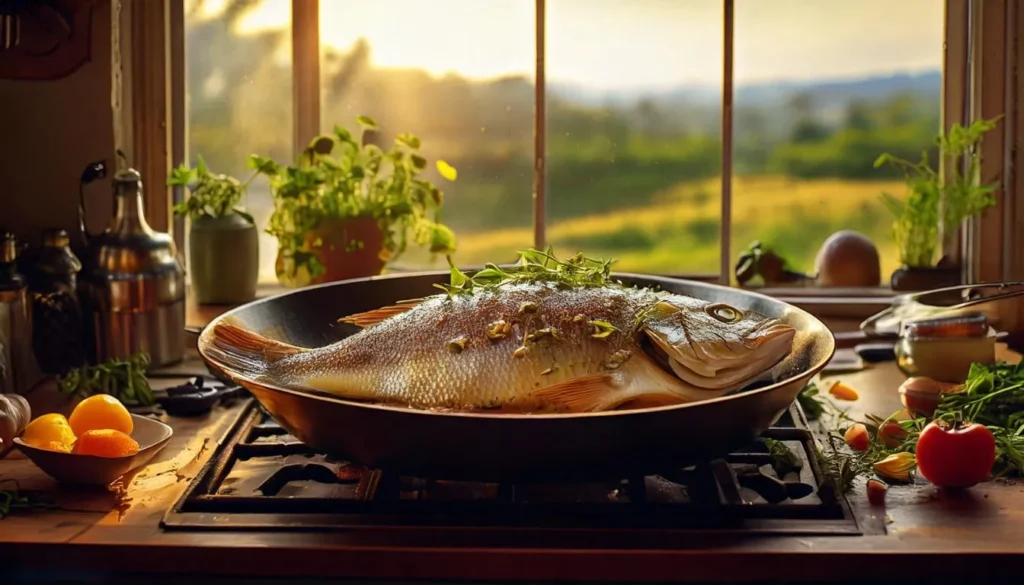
point(825, 92)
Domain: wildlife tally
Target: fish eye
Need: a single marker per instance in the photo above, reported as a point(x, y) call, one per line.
point(724, 313)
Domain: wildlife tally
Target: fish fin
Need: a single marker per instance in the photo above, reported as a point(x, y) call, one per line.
point(583, 394)
point(368, 318)
point(245, 350)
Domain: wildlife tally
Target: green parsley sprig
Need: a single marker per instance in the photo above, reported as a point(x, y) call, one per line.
point(533, 266)
point(124, 379)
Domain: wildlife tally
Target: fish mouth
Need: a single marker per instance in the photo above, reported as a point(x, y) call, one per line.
point(703, 368)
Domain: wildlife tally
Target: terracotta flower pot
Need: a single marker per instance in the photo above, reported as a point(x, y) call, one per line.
point(347, 248)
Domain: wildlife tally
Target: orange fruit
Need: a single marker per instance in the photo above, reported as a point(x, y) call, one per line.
point(105, 443)
point(58, 446)
point(101, 411)
point(49, 428)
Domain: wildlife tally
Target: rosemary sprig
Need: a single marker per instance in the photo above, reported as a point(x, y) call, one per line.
point(533, 266)
point(122, 379)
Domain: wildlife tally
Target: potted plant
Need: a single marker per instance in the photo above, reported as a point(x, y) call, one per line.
point(223, 241)
point(346, 208)
point(936, 206)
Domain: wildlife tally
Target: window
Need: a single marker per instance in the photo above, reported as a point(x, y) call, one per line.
point(638, 98)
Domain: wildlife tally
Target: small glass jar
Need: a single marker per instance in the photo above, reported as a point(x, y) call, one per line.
point(943, 349)
point(58, 324)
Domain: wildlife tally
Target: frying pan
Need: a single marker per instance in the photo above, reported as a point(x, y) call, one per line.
point(503, 447)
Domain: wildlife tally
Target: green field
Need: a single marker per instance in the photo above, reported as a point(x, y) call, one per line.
point(678, 230)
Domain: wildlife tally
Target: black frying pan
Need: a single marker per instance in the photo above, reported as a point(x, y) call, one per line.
point(489, 446)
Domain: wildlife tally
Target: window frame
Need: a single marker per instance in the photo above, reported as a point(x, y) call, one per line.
point(981, 53)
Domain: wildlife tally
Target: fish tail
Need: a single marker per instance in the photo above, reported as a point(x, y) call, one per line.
point(246, 351)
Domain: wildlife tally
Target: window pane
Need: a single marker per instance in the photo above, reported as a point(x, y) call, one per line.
point(823, 87)
point(634, 125)
point(238, 59)
point(459, 75)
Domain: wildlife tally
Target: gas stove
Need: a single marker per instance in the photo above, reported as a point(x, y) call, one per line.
point(263, 479)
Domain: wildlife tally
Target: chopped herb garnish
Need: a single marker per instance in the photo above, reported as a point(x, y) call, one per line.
point(499, 329)
point(519, 352)
point(458, 344)
point(533, 266)
point(528, 307)
point(602, 329)
point(541, 334)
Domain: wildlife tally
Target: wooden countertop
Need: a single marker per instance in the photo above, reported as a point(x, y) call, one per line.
point(932, 531)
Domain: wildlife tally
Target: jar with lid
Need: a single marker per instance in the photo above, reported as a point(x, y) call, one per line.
point(58, 331)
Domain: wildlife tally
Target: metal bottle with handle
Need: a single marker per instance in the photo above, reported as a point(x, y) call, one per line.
point(133, 283)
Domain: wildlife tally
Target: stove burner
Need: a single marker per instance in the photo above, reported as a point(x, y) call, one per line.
point(263, 478)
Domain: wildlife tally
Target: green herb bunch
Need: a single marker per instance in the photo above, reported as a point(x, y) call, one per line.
point(993, 395)
point(124, 379)
point(937, 204)
point(338, 176)
point(210, 195)
point(533, 266)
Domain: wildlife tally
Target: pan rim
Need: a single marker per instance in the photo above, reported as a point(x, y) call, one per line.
point(807, 373)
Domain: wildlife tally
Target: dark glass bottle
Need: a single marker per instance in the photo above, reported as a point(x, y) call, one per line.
point(58, 333)
point(18, 371)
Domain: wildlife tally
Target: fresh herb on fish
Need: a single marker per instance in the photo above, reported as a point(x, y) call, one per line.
point(519, 352)
point(528, 307)
point(541, 334)
point(533, 266)
point(458, 344)
point(498, 329)
point(602, 329)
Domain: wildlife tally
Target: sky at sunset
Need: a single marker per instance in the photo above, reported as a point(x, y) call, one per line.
point(626, 44)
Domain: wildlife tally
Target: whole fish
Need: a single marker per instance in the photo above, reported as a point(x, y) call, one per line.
point(526, 347)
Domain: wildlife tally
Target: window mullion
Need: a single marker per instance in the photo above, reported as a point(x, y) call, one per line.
point(539, 132)
point(727, 102)
point(305, 72)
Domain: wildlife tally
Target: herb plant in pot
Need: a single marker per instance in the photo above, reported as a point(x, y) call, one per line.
point(223, 240)
point(936, 206)
point(346, 208)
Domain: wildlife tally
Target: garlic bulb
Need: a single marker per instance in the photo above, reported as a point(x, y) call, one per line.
point(15, 414)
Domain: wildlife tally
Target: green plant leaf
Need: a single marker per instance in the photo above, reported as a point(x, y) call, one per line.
point(408, 140)
point(366, 122)
point(322, 145)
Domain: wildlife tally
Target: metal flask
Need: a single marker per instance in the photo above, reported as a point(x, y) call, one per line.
point(133, 284)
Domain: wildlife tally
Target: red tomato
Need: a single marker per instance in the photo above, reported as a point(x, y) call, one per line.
point(955, 456)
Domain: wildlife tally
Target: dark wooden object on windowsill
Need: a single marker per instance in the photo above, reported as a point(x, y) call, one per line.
point(919, 278)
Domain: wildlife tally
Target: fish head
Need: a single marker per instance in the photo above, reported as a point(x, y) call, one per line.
point(715, 345)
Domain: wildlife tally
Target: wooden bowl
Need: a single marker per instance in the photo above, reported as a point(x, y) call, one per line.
point(151, 435)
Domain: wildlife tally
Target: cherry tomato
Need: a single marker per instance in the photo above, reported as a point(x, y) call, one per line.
point(958, 456)
point(857, 437)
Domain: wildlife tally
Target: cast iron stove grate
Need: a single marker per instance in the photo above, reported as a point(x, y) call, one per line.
point(262, 478)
